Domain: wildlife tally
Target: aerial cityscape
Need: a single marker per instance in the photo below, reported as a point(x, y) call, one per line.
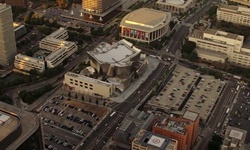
point(125, 74)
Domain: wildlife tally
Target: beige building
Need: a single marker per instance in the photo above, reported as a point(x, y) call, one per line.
point(27, 63)
point(7, 36)
point(244, 2)
point(146, 140)
point(227, 46)
point(145, 25)
point(234, 14)
point(86, 85)
point(175, 6)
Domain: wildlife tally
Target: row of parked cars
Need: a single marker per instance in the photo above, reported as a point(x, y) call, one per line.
point(80, 120)
point(59, 141)
point(82, 110)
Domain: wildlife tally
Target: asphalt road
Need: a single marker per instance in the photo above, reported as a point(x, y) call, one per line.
point(106, 129)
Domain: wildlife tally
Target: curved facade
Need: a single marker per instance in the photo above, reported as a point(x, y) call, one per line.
point(145, 25)
point(175, 6)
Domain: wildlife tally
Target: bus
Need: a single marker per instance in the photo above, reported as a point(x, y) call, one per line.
point(112, 114)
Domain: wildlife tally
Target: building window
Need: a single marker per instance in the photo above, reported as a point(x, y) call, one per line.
point(71, 79)
point(71, 82)
point(86, 87)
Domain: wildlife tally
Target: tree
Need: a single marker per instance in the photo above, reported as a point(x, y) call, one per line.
point(61, 3)
point(172, 24)
point(188, 47)
point(212, 11)
point(213, 145)
point(217, 139)
point(192, 56)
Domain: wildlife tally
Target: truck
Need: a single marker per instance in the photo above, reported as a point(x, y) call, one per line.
point(227, 111)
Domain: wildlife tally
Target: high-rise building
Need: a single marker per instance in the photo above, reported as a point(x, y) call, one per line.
point(7, 36)
point(183, 128)
point(20, 130)
point(99, 8)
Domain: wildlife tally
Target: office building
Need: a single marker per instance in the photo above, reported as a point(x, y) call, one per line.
point(7, 36)
point(20, 30)
point(145, 25)
point(99, 8)
point(183, 128)
point(215, 45)
point(146, 140)
point(19, 129)
point(243, 2)
point(134, 121)
point(27, 63)
point(60, 49)
point(175, 6)
point(234, 139)
point(234, 14)
point(111, 66)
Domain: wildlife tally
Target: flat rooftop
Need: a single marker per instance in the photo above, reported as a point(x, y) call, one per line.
point(118, 54)
point(29, 123)
point(211, 53)
point(9, 125)
point(146, 19)
point(204, 96)
point(176, 90)
point(154, 141)
point(190, 115)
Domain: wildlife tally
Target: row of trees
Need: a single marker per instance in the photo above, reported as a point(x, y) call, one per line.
point(30, 96)
point(216, 143)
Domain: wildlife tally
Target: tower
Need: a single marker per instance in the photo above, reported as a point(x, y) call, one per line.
point(7, 36)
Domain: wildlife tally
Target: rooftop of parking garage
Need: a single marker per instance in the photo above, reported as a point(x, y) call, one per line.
point(240, 115)
point(204, 96)
point(28, 121)
point(175, 91)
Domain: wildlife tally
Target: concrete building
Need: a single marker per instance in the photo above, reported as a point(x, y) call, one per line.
point(19, 129)
point(175, 6)
point(99, 8)
point(114, 66)
point(7, 36)
point(234, 139)
point(215, 45)
point(145, 25)
point(243, 2)
point(146, 140)
point(60, 49)
point(183, 128)
point(19, 30)
point(130, 126)
point(186, 90)
point(26, 63)
point(234, 14)
point(86, 85)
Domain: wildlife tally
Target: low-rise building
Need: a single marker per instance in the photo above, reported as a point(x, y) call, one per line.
point(175, 6)
point(213, 41)
point(183, 128)
point(86, 85)
point(20, 30)
point(134, 121)
point(27, 63)
point(234, 14)
point(243, 2)
point(145, 25)
point(234, 139)
point(146, 140)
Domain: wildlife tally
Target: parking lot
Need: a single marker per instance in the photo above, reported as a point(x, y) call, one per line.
point(240, 114)
point(73, 118)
